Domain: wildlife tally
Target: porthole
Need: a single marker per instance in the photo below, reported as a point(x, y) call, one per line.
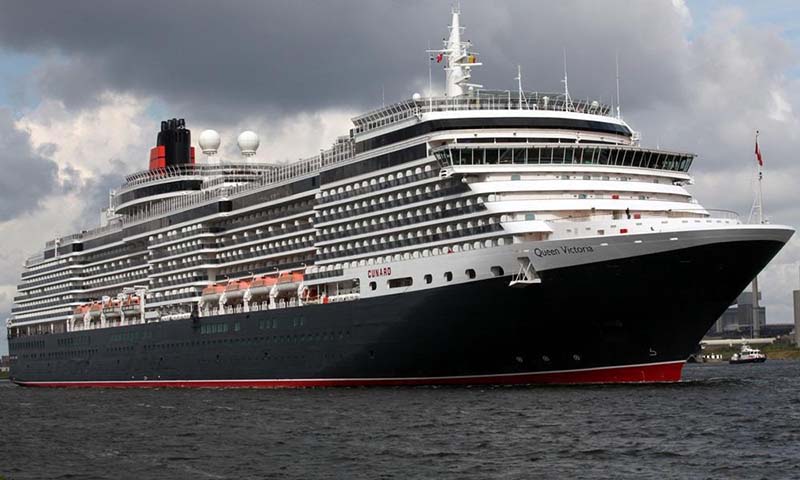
point(448, 276)
point(428, 278)
point(470, 273)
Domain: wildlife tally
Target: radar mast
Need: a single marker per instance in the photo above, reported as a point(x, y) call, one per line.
point(459, 60)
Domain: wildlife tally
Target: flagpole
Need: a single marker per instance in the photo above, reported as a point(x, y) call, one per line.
point(430, 78)
point(759, 211)
point(760, 177)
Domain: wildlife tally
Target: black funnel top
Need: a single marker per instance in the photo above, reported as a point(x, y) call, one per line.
point(177, 140)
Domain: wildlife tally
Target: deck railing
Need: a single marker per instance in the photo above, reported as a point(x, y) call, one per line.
point(478, 100)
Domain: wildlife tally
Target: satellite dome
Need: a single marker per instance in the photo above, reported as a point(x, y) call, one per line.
point(248, 143)
point(416, 97)
point(209, 141)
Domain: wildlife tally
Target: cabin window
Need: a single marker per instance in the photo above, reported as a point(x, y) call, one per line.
point(448, 276)
point(400, 282)
point(470, 273)
point(428, 278)
point(497, 271)
point(373, 285)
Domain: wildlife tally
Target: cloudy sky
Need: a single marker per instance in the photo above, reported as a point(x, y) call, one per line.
point(83, 85)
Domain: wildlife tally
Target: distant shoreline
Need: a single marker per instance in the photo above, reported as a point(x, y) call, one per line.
point(775, 351)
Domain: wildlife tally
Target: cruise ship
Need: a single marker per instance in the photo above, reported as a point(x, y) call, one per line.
point(479, 237)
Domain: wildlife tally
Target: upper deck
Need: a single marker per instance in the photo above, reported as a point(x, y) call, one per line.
point(483, 101)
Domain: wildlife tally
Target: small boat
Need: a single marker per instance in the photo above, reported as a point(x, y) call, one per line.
point(112, 308)
point(212, 292)
point(131, 304)
point(236, 289)
point(262, 285)
point(288, 283)
point(94, 310)
point(80, 312)
point(748, 355)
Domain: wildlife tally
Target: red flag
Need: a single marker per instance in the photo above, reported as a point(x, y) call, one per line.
point(758, 154)
point(439, 58)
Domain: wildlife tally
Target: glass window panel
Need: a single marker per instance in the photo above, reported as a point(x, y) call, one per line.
point(505, 156)
point(519, 156)
point(558, 155)
point(602, 156)
point(491, 156)
point(546, 155)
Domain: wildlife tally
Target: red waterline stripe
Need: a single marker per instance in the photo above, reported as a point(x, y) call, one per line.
point(650, 373)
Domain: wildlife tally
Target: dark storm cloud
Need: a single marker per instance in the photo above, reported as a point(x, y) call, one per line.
point(244, 57)
point(26, 176)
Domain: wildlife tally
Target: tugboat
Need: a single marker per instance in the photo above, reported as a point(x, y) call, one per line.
point(748, 355)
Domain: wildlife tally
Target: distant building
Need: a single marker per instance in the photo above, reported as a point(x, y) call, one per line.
point(737, 321)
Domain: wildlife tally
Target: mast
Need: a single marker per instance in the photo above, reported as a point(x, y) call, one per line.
point(616, 57)
point(522, 100)
point(459, 60)
point(567, 100)
point(430, 78)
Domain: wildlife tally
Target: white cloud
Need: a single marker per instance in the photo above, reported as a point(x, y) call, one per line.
point(116, 128)
point(781, 109)
point(283, 139)
point(683, 12)
point(734, 82)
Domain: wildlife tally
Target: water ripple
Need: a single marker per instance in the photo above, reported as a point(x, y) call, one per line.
point(720, 422)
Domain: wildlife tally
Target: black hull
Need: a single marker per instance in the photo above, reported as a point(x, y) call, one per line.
point(633, 319)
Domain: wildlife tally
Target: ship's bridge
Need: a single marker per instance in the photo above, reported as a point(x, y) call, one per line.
point(522, 153)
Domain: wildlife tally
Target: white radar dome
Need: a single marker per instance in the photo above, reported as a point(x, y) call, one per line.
point(248, 143)
point(209, 141)
point(416, 97)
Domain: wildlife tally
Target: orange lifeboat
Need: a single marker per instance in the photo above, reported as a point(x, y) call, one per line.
point(131, 303)
point(212, 292)
point(262, 285)
point(94, 309)
point(112, 308)
point(290, 277)
point(80, 311)
point(236, 289)
point(289, 281)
